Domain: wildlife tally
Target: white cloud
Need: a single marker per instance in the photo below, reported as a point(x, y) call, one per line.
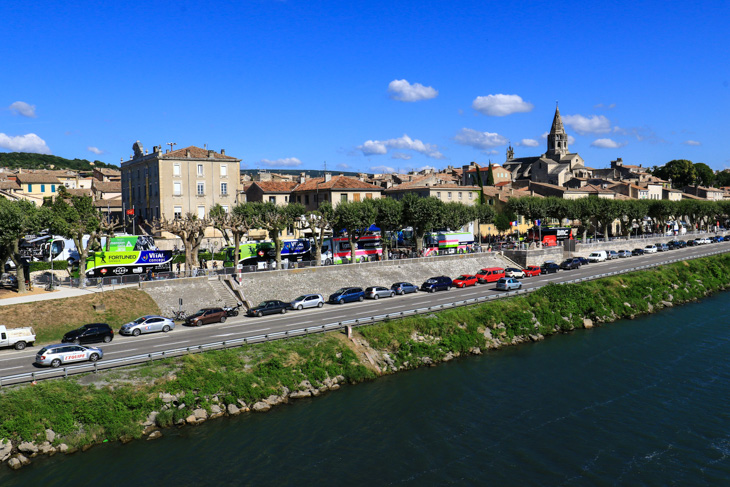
point(381, 169)
point(501, 105)
point(95, 150)
point(402, 90)
point(22, 108)
point(479, 140)
point(596, 124)
point(24, 143)
point(528, 143)
point(343, 165)
point(379, 147)
point(692, 142)
point(284, 162)
point(607, 107)
point(607, 144)
point(401, 155)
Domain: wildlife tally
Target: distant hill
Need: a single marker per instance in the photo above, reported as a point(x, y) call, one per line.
point(26, 160)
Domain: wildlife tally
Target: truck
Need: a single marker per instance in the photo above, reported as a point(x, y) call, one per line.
point(60, 248)
point(337, 250)
point(17, 338)
point(260, 253)
point(447, 242)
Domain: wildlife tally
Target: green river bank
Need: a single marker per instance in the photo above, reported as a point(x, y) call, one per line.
point(126, 404)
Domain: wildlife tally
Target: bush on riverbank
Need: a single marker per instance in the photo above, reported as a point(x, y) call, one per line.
point(120, 401)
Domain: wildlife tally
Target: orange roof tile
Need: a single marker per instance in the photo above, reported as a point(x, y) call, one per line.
point(337, 182)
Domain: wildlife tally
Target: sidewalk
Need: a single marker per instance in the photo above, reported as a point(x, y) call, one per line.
point(64, 292)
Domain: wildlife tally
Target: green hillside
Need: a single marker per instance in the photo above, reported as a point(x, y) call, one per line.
point(26, 160)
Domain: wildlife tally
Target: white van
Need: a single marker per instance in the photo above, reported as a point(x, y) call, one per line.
point(598, 256)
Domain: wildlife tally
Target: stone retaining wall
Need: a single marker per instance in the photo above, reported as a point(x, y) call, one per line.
point(287, 284)
point(535, 256)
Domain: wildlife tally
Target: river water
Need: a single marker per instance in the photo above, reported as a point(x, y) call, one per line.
point(642, 402)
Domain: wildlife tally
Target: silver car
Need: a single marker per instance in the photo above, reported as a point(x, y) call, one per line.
point(308, 301)
point(147, 324)
point(508, 284)
point(64, 353)
point(377, 292)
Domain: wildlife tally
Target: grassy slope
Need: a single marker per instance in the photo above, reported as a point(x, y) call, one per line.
point(115, 407)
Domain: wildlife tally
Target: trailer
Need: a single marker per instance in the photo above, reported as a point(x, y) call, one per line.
point(447, 243)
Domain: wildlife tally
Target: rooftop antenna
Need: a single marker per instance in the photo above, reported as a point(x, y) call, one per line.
point(171, 144)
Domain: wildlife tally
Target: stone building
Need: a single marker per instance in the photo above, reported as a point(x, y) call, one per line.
point(312, 192)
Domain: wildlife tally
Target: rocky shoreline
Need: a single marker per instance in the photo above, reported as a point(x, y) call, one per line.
point(410, 343)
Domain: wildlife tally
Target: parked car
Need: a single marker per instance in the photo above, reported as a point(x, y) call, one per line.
point(624, 253)
point(205, 316)
point(514, 272)
point(569, 264)
point(465, 280)
point(650, 249)
point(662, 247)
point(270, 307)
point(612, 254)
point(598, 256)
point(64, 353)
point(17, 338)
point(147, 324)
point(508, 284)
point(680, 244)
point(377, 292)
point(490, 274)
point(347, 295)
point(404, 288)
point(532, 271)
point(583, 260)
point(91, 333)
point(439, 283)
point(637, 252)
point(692, 243)
point(308, 301)
point(549, 268)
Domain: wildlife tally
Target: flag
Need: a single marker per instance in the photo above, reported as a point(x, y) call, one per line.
point(537, 223)
point(514, 223)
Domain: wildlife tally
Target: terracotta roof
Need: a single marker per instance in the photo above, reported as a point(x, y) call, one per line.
point(79, 191)
point(337, 182)
point(106, 186)
point(107, 171)
point(195, 153)
point(417, 185)
point(503, 183)
point(25, 178)
point(8, 184)
point(687, 196)
point(275, 186)
point(109, 203)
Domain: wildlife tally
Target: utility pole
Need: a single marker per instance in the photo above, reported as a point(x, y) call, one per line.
point(171, 144)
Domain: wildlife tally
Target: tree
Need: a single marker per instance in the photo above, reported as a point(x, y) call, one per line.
point(659, 211)
point(484, 215)
point(503, 221)
point(191, 231)
point(634, 213)
point(455, 215)
point(490, 175)
point(680, 171)
point(221, 220)
point(18, 219)
point(354, 217)
point(275, 219)
point(722, 178)
point(422, 214)
point(584, 209)
point(240, 221)
point(76, 221)
point(318, 222)
point(389, 218)
point(606, 212)
point(704, 175)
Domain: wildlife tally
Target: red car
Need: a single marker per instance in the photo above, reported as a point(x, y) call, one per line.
point(465, 280)
point(532, 271)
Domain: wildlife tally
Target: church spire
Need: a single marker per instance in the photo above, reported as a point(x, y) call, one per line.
point(557, 140)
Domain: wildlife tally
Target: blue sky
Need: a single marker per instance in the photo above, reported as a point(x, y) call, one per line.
point(367, 86)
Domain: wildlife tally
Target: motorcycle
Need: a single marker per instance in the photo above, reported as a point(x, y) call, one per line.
point(232, 310)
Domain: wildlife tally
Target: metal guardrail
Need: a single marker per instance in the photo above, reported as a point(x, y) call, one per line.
point(237, 342)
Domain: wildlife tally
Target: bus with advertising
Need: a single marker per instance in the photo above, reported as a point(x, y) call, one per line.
point(122, 263)
point(336, 250)
point(255, 253)
point(549, 236)
point(447, 242)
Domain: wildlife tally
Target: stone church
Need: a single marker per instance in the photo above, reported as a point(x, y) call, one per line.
point(556, 166)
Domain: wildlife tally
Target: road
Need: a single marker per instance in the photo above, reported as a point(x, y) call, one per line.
point(14, 362)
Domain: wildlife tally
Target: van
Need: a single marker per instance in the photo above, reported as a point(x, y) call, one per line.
point(490, 274)
point(598, 256)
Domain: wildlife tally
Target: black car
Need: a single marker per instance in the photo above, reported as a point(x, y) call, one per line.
point(582, 260)
point(692, 243)
point(637, 252)
point(549, 268)
point(439, 283)
point(91, 333)
point(569, 264)
point(269, 308)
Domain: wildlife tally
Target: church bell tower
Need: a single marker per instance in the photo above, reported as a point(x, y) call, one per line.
point(557, 140)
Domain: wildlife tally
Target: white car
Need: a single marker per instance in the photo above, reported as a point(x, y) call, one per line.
point(650, 249)
point(514, 272)
point(308, 301)
point(64, 353)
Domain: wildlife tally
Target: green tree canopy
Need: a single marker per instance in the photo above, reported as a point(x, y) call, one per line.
point(422, 214)
point(680, 171)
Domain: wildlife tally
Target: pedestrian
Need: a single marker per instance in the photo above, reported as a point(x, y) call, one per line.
point(177, 268)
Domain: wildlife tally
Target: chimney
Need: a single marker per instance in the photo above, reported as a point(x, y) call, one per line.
point(223, 152)
point(327, 177)
point(302, 177)
point(210, 154)
point(187, 153)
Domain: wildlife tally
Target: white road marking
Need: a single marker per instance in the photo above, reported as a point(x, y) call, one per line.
point(168, 344)
point(224, 335)
point(262, 329)
point(10, 368)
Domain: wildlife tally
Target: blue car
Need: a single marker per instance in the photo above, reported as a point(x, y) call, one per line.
point(347, 295)
point(440, 283)
point(404, 288)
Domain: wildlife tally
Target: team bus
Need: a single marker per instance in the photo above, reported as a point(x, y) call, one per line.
point(122, 263)
point(254, 253)
point(447, 242)
point(337, 250)
point(549, 236)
